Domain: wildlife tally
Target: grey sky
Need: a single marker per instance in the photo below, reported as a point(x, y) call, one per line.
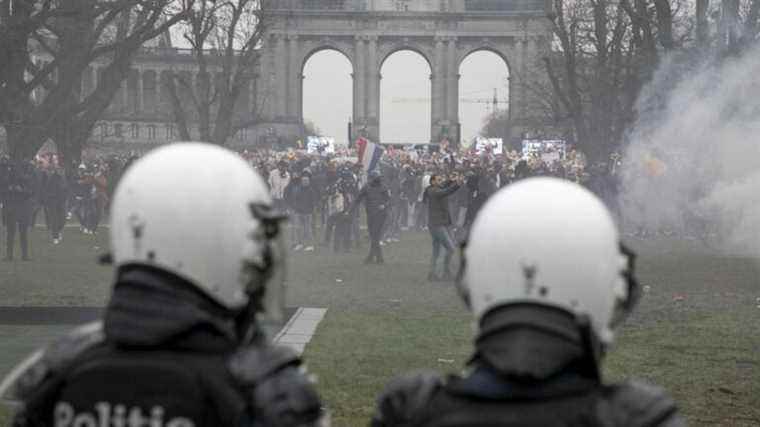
point(406, 75)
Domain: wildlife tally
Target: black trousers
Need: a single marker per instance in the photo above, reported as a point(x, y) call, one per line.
point(342, 234)
point(16, 218)
point(375, 224)
point(329, 227)
point(55, 217)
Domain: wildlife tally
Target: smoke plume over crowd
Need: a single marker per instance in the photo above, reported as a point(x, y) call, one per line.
point(693, 163)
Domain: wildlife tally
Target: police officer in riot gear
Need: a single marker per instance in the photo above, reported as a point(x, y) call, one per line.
point(547, 279)
point(180, 343)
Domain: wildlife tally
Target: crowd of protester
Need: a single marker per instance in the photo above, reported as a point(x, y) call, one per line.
point(320, 192)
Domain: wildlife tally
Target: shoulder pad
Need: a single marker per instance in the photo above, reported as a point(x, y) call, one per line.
point(287, 398)
point(637, 404)
point(281, 392)
point(43, 364)
point(253, 364)
point(405, 397)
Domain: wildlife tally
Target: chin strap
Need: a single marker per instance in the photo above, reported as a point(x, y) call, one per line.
point(633, 287)
point(258, 272)
point(462, 288)
point(591, 346)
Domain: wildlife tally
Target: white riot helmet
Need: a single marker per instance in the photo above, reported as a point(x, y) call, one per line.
point(553, 243)
point(202, 213)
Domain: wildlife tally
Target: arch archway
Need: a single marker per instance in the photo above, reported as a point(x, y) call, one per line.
point(484, 95)
point(405, 104)
point(387, 51)
point(327, 92)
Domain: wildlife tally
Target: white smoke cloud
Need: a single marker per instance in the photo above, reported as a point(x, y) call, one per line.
point(693, 163)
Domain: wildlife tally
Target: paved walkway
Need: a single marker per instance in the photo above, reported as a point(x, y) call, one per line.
point(39, 315)
point(301, 328)
point(24, 329)
point(25, 315)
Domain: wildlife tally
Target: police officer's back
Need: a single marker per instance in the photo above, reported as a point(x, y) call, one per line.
point(547, 280)
point(179, 344)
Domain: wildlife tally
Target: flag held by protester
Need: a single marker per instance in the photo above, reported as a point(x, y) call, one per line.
point(369, 154)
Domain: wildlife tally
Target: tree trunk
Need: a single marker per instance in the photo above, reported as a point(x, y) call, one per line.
point(702, 24)
point(179, 113)
point(664, 23)
point(751, 28)
point(22, 143)
point(70, 150)
point(730, 36)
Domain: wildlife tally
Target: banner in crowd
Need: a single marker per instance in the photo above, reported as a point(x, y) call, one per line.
point(489, 145)
point(369, 153)
point(547, 150)
point(322, 145)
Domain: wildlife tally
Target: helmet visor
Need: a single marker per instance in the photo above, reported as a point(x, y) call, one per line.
point(272, 302)
point(264, 273)
point(625, 306)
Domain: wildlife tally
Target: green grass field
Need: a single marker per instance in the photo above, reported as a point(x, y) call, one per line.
point(696, 331)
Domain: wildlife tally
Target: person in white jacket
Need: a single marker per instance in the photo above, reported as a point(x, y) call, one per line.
point(278, 180)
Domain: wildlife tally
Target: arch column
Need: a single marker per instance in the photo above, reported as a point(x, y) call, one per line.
point(438, 88)
point(373, 90)
point(301, 77)
point(267, 102)
point(294, 80)
point(360, 84)
point(516, 86)
point(452, 92)
point(281, 78)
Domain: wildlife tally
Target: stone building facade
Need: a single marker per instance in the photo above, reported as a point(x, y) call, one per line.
point(140, 115)
point(367, 32)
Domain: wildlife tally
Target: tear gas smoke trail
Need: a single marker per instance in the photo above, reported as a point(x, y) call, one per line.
point(693, 163)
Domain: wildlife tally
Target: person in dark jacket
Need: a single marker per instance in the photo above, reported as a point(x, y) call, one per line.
point(53, 196)
point(344, 222)
point(439, 221)
point(392, 179)
point(376, 197)
point(302, 200)
point(181, 343)
point(18, 207)
point(5, 174)
point(480, 186)
point(408, 195)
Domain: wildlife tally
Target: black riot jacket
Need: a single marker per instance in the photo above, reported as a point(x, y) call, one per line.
point(166, 355)
point(152, 308)
point(525, 372)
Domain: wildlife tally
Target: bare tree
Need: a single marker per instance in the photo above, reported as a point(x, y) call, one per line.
point(749, 23)
point(606, 51)
point(225, 39)
point(44, 100)
point(737, 25)
point(590, 70)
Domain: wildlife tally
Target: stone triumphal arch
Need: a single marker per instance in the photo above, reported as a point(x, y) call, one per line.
point(367, 32)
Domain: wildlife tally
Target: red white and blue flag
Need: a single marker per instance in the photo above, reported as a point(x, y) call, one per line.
point(369, 154)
